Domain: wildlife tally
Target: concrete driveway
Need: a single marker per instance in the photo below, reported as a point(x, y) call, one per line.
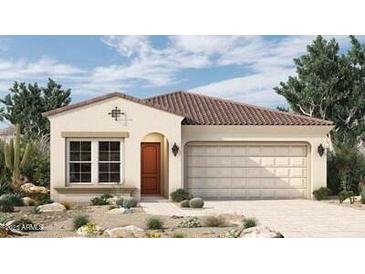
point(293, 218)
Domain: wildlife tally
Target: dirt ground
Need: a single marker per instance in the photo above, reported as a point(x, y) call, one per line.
point(60, 224)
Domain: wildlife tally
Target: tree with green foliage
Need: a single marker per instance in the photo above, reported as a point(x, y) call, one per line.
point(26, 102)
point(330, 85)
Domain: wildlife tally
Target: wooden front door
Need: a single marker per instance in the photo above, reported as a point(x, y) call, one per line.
point(150, 168)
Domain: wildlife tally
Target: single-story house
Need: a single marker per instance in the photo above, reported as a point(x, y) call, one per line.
point(214, 148)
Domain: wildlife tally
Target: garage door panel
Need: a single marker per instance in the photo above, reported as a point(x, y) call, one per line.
point(247, 171)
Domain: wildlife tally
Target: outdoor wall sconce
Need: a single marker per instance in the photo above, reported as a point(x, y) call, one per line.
point(175, 149)
point(320, 150)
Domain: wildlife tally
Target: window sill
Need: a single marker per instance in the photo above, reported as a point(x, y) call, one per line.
point(88, 188)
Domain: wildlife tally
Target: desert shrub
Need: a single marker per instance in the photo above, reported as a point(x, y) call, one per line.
point(344, 194)
point(80, 220)
point(14, 198)
point(196, 203)
point(232, 233)
point(249, 222)
point(153, 235)
point(189, 222)
point(67, 205)
point(24, 224)
point(185, 203)
point(345, 164)
point(130, 202)
point(215, 221)
point(89, 229)
point(36, 210)
point(178, 235)
point(321, 193)
point(9, 201)
point(119, 202)
point(101, 200)
point(180, 195)
point(154, 223)
point(38, 169)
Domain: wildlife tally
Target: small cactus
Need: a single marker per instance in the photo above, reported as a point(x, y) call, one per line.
point(15, 157)
point(196, 203)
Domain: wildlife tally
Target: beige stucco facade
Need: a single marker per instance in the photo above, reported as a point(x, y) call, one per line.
point(140, 121)
point(143, 123)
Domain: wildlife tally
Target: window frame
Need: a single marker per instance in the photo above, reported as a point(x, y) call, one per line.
point(94, 160)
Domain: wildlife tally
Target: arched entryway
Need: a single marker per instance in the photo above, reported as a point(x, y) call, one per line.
point(154, 165)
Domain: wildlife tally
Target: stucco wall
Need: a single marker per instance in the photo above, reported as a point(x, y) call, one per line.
point(313, 135)
point(141, 120)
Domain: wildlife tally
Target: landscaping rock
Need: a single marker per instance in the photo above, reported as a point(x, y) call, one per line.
point(260, 232)
point(356, 199)
point(196, 203)
point(27, 201)
point(129, 231)
point(54, 207)
point(30, 188)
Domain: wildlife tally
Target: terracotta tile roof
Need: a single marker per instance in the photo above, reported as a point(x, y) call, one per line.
point(105, 97)
point(205, 110)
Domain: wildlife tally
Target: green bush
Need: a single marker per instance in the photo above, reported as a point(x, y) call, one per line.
point(344, 194)
point(130, 202)
point(345, 164)
point(321, 193)
point(119, 202)
point(249, 222)
point(185, 203)
point(196, 203)
point(180, 195)
point(9, 201)
point(80, 220)
point(6, 206)
point(215, 221)
point(154, 223)
point(101, 200)
point(14, 198)
point(38, 169)
point(189, 222)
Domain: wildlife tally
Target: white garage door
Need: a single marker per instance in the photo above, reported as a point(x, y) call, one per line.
point(246, 170)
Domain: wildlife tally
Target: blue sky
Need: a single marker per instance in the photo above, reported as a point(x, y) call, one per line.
point(243, 68)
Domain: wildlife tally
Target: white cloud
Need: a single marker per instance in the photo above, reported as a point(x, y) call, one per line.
point(145, 64)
